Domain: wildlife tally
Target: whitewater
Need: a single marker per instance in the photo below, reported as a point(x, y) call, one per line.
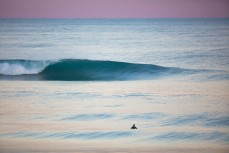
point(78, 85)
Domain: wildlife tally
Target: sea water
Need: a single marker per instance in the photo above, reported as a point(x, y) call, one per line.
point(77, 85)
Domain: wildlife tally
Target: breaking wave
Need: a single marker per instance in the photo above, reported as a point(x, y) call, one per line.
point(81, 70)
point(20, 67)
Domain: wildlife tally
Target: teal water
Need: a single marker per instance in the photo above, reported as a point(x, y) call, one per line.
point(82, 70)
point(85, 82)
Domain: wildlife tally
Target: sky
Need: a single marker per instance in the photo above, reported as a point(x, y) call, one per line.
point(114, 8)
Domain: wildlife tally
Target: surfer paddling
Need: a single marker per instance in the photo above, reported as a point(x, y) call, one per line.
point(134, 127)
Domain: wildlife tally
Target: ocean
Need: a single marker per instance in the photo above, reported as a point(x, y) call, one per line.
point(78, 85)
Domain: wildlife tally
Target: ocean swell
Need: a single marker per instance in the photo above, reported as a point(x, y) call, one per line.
point(80, 70)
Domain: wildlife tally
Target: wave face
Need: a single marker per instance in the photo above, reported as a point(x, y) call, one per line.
point(80, 70)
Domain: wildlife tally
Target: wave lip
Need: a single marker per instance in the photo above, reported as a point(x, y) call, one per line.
point(80, 70)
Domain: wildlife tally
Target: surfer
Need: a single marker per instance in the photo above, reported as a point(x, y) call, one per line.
point(134, 127)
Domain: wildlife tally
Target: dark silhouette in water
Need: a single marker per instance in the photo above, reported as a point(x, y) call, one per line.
point(134, 127)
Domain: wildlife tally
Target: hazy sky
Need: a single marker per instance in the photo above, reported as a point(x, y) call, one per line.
point(113, 8)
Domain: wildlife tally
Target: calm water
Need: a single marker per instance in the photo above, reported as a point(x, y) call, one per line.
point(83, 83)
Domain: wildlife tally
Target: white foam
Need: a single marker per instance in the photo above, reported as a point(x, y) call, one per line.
point(22, 68)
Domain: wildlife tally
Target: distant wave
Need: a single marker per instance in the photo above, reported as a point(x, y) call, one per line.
point(81, 70)
point(107, 135)
point(86, 117)
point(204, 119)
point(71, 135)
point(192, 136)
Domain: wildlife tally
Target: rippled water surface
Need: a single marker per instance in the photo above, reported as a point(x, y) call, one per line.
point(78, 85)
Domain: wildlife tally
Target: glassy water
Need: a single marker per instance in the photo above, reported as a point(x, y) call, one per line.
point(70, 84)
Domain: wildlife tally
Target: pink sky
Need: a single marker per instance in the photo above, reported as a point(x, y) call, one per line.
point(113, 8)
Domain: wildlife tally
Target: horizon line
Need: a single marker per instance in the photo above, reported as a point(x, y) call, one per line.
point(114, 18)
